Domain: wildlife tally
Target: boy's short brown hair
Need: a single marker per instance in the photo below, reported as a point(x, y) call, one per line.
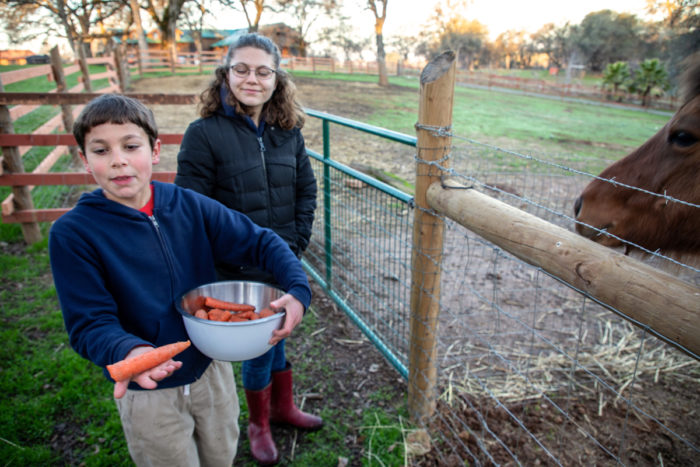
point(114, 108)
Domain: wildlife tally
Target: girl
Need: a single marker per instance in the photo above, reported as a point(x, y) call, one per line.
point(247, 152)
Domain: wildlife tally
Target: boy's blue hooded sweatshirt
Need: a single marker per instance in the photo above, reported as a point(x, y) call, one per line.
point(118, 272)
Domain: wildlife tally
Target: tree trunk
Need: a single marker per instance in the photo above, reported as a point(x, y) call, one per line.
point(82, 62)
point(199, 51)
point(381, 61)
point(140, 35)
point(66, 110)
point(63, 17)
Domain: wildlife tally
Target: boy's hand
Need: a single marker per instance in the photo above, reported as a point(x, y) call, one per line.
point(149, 378)
point(294, 312)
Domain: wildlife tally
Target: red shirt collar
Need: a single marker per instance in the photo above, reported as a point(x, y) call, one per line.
point(148, 207)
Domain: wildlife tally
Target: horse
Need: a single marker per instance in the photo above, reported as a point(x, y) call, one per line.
point(661, 214)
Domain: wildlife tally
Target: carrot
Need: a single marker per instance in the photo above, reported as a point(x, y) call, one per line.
point(265, 312)
point(201, 313)
point(215, 314)
point(198, 302)
point(215, 303)
point(130, 367)
point(246, 314)
point(237, 319)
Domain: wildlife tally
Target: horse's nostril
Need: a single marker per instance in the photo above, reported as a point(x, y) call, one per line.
point(577, 206)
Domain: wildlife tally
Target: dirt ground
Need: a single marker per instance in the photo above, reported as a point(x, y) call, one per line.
point(358, 370)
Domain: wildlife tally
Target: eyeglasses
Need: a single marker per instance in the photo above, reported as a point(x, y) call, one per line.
point(241, 70)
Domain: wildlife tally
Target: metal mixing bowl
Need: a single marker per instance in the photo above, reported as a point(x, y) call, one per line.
point(232, 342)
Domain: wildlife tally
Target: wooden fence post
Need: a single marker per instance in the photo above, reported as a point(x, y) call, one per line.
point(433, 147)
point(82, 62)
point(121, 69)
point(12, 163)
point(66, 110)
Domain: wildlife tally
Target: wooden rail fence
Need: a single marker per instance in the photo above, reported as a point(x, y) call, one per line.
point(18, 206)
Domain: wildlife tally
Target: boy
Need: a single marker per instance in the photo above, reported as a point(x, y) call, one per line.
point(123, 256)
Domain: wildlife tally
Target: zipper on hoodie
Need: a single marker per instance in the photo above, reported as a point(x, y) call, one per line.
point(163, 247)
point(267, 183)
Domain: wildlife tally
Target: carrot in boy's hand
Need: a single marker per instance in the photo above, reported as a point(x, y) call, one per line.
point(130, 367)
point(215, 303)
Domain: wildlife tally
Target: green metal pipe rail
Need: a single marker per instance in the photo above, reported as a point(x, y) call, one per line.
point(326, 279)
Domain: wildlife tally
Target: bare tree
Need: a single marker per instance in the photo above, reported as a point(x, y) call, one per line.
point(379, 18)
point(555, 42)
point(140, 33)
point(252, 9)
point(165, 13)
point(403, 45)
point(72, 19)
point(193, 16)
point(340, 36)
point(306, 12)
point(138, 23)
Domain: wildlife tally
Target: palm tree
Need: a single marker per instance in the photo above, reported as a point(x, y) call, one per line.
point(651, 76)
point(616, 75)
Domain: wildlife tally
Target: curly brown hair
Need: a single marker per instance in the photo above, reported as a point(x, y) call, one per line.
point(282, 109)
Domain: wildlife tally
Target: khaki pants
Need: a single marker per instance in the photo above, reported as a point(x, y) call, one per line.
point(185, 426)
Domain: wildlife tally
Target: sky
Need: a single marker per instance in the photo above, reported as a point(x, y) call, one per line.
point(501, 16)
point(498, 16)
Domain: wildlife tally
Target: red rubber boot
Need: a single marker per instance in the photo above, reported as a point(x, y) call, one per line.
point(262, 446)
point(283, 409)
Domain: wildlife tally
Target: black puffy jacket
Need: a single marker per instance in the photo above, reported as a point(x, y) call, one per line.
point(269, 178)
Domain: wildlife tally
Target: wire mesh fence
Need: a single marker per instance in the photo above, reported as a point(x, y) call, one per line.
point(530, 370)
point(360, 249)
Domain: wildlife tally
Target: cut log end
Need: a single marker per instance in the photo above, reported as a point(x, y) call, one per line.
point(437, 67)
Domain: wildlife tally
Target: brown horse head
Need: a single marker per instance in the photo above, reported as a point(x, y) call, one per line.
point(664, 169)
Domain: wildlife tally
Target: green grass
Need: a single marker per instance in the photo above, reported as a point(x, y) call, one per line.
point(49, 390)
point(42, 84)
point(587, 135)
